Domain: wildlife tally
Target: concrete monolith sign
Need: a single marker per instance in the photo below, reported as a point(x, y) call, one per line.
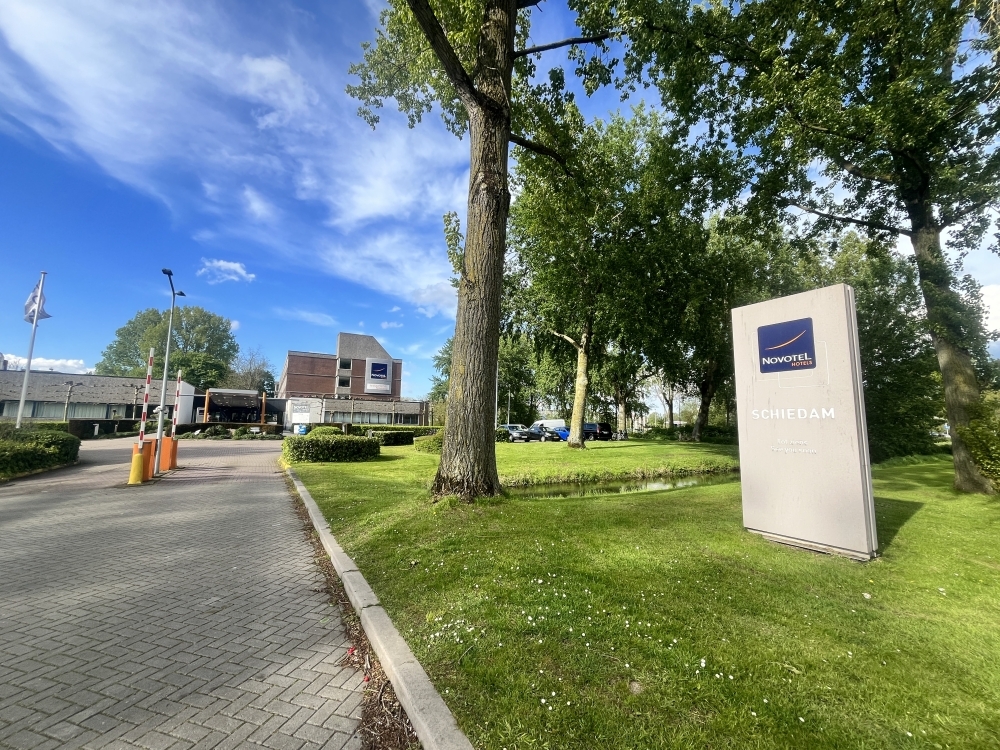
point(803, 442)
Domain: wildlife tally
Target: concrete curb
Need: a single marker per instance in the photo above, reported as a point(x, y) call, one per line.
point(432, 720)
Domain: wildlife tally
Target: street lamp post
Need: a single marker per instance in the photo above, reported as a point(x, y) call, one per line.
point(166, 361)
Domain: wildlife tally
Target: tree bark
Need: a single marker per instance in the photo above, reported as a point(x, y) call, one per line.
point(468, 455)
point(706, 387)
point(576, 437)
point(622, 413)
point(944, 311)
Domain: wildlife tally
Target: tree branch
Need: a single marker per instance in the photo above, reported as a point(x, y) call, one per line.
point(856, 171)
point(876, 225)
point(541, 149)
point(522, 4)
point(949, 219)
point(564, 337)
point(563, 43)
point(438, 40)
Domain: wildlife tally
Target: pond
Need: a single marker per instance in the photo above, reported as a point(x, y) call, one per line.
point(620, 487)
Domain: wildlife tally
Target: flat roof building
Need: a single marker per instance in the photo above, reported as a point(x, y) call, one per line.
point(360, 384)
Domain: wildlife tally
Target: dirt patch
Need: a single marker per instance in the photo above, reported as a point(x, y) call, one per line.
point(384, 724)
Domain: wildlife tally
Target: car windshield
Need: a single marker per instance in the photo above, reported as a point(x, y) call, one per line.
point(590, 425)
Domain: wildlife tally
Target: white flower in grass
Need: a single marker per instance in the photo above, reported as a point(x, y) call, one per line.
point(802, 720)
point(866, 595)
point(753, 713)
point(543, 700)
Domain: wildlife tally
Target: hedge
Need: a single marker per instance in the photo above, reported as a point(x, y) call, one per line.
point(35, 450)
point(325, 430)
point(502, 435)
point(329, 448)
point(270, 428)
point(396, 437)
point(429, 443)
point(353, 429)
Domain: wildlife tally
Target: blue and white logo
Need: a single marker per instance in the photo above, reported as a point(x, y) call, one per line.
point(380, 371)
point(787, 346)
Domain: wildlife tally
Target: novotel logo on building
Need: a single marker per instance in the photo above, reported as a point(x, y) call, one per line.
point(786, 346)
point(380, 371)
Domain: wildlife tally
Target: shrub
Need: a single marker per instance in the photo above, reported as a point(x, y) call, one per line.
point(502, 435)
point(216, 430)
point(32, 450)
point(354, 429)
point(982, 437)
point(429, 443)
point(329, 448)
point(396, 437)
point(325, 430)
point(52, 426)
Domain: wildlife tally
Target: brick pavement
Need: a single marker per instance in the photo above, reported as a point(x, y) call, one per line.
point(183, 614)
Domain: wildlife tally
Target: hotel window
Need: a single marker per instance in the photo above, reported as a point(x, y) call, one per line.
point(345, 363)
point(344, 382)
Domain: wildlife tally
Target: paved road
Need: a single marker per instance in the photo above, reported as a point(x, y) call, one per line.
point(184, 613)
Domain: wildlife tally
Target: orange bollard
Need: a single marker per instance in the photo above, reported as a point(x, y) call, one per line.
point(166, 455)
point(173, 453)
point(149, 456)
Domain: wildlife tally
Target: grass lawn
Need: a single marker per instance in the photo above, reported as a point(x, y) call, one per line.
point(653, 620)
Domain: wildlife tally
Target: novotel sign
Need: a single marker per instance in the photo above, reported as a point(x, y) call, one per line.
point(378, 376)
point(804, 459)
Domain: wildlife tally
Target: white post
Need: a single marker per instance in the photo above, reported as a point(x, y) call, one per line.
point(31, 349)
point(163, 389)
point(145, 398)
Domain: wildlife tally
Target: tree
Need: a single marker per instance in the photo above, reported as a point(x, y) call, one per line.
point(251, 371)
point(202, 345)
point(442, 364)
point(896, 103)
point(462, 56)
point(577, 240)
point(127, 354)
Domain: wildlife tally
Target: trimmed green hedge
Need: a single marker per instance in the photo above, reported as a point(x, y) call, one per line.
point(355, 429)
point(429, 443)
point(396, 437)
point(32, 450)
point(325, 430)
point(325, 448)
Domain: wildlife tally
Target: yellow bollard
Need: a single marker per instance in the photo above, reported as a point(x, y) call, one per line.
point(135, 473)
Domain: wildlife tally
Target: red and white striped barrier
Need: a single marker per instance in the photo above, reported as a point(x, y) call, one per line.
point(145, 398)
point(177, 401)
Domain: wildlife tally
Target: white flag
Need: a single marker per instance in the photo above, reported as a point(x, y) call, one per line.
point(36, 301)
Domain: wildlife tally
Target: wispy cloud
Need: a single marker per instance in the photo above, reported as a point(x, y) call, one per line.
point(234, 325)
point(306, 316)
point(395, 309)
point(243, 130)
point(391, 324)
point(75, 366)
point(217, 271)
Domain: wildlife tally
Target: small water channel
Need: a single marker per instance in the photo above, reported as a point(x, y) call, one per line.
point(619, 487)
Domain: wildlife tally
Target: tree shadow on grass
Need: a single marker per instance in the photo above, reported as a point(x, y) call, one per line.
point(890, 516)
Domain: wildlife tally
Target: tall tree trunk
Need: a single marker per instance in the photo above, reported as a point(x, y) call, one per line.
point(622, 412)
point(706, 387)
point(945, 310)
point(468, 456)
point(580, 393)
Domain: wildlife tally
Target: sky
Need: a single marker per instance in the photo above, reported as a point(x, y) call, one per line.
point(215, 138)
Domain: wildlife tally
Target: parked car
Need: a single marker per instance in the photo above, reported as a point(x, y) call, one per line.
point(597, 431)
point(563, 433)
point(542, 433)
point(517, 432)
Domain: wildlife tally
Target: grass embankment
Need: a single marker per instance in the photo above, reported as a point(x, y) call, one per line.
point(653, 620)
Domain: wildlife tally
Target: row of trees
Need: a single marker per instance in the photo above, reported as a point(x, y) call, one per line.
point(202, 346)
point(878, 115)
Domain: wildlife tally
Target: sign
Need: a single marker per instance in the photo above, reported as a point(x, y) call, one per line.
point(378, 376)
point(803, 442)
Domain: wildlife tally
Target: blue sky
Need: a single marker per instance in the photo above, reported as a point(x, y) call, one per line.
point(215, 138)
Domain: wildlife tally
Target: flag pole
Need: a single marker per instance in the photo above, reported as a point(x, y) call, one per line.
point(31, 349)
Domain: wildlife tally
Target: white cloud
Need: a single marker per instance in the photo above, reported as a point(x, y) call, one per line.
point(991, 296)
point(306, 316)
point(218, 271)
point(234, 325)
point(224, 125)
point(75, 366)
point(391, 324)
point(395, 309)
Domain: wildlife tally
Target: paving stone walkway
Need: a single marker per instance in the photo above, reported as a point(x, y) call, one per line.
point(183, 614)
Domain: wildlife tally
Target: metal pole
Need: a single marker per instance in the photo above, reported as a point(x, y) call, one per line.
point(69, 394)
point(31, 349)
point(177, 400)
point(163, 387)
point(508, 407)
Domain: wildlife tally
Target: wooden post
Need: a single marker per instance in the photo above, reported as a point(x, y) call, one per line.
point(263, 407)
point(204, 417)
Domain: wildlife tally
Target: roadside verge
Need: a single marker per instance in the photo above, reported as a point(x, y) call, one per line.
point(431, 718)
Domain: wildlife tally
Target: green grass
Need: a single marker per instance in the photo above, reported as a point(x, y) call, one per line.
point(628, 593)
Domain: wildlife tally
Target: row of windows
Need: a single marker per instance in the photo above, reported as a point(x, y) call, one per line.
point(363, 417)
point(57, 409)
